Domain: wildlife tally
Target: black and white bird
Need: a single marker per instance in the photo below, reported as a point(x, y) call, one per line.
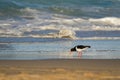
point(79, 49)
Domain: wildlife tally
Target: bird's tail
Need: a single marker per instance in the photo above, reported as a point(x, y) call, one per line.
point(88, 46)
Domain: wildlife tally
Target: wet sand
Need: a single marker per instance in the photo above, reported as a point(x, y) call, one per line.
point(60, 69)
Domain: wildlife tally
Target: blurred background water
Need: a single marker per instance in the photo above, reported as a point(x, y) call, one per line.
point(100, 49)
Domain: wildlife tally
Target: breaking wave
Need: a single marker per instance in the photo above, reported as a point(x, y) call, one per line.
point(36, 23)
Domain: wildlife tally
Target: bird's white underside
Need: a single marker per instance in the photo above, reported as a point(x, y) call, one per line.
point(79, 50)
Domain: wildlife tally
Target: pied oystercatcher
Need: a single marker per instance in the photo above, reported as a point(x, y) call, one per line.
point(79, 49)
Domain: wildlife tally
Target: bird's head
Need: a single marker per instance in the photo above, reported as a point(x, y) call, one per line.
point(73, 49)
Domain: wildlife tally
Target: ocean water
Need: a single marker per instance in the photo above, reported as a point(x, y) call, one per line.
point(44, 29)
point(60, 49)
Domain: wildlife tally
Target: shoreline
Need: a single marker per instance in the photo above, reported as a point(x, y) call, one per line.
point(60, 69)
point(69, 63)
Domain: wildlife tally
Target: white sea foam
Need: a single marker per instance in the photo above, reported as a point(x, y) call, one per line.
point(29, 13)
point(36, 20)
point(99, 38)
point(107, 20)
point(64, 33)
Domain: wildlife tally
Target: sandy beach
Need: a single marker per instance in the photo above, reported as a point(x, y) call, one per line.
point(60, 69)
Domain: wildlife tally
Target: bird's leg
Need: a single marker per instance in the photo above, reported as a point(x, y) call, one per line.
point(79, 54)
